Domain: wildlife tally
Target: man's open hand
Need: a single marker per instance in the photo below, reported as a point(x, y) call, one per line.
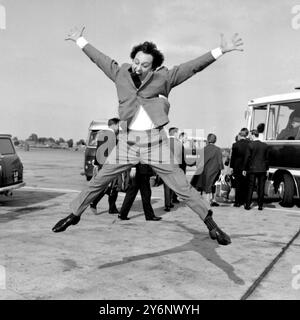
point(236, 43)
point(75, 33)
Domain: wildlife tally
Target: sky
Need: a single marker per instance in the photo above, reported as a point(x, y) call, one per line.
point(48, 86)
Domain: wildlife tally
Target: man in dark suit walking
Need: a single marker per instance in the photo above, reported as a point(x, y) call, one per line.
point(236, 163)
point(256, 166)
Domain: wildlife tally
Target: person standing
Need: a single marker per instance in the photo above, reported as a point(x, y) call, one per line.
point(209, 170)
point(238, 152)
point(143, 88)
point(256, 165)
point(141, 182)
point(177, 152)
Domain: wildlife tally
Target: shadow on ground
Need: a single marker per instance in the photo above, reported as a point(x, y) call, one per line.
point(200, 243)
point(22, 198)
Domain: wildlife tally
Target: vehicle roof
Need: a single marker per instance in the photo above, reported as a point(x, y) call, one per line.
point(285, 97)
point(5, 135)
point(98, 125)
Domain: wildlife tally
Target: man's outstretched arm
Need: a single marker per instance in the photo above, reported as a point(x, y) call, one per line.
point(184, 71)
point(105, 63)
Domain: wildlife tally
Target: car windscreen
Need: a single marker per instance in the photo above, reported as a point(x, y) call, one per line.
point(6, 146)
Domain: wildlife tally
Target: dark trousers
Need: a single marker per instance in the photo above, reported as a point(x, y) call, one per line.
point(112, 198)
point(140, 182)
point(261, 180)
point(241, 186)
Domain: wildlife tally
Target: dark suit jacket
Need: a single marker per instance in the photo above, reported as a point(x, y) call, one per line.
point(238, 153)
point(208, 169)
point(158, 82)
point(257, 157)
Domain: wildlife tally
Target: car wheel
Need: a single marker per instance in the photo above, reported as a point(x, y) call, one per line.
point(286, 191)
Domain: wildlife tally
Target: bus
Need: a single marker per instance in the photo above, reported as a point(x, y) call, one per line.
point(278, 118)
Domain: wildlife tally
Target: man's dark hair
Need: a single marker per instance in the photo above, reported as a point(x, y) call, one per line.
point(149, 48)
point(211, 138)
point(261, 128)
point(113, 121)
point(244, 132)
point(172, 131)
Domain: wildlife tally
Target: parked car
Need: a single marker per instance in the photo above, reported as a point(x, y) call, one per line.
point(11, 167)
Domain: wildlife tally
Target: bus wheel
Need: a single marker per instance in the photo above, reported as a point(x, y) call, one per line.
point(286, 190)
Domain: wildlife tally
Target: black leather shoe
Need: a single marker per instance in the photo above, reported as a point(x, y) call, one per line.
point(167, 209)
point(220, 236)
point(113, 211)
point(214, 204)
point(63, 224)
point(237, 205)
point(123, 218)
point(260, 208)
point(247, 207)
point(153, 218)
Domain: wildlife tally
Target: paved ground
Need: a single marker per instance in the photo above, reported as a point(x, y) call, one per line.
point(104, 258)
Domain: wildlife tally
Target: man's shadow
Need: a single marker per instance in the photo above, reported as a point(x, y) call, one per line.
point(200, 243)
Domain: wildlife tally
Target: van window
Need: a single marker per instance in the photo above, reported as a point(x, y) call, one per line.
point(259, 116)
point(6, 146)
point(285, 129)
point(92, 141)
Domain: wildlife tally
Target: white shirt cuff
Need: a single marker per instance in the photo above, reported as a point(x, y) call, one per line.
point(217, 53)
point(81, 42)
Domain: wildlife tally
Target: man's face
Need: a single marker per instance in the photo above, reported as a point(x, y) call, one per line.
point(142, 64)
point(296, 123)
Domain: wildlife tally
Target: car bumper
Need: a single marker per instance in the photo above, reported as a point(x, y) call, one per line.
point(12, 187)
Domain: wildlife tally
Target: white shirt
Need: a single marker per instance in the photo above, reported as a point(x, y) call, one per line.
point(141, 120)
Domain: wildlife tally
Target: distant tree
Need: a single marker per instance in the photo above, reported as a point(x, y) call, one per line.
point(42, 140)
point(80, 142)
point(70, 143)
point(51, 140)
point(60, 140)
point(33, 137)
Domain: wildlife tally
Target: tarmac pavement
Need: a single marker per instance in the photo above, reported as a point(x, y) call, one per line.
point(105, 258)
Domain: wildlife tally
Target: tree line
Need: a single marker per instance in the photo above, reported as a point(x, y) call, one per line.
point(34, 138)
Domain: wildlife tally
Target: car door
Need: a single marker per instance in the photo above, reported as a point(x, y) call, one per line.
point(11, 166)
